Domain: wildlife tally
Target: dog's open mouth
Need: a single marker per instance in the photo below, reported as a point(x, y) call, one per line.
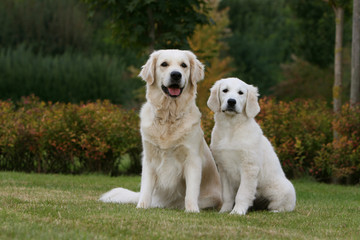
point(173, 90)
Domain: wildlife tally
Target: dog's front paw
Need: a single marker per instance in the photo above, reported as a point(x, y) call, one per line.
point(239, 210)
point(191, 206)
point(143, 204)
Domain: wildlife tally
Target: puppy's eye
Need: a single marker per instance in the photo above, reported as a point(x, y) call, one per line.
point(240, 93)
point(164, 64)
point(225, 90)
point(183, 65)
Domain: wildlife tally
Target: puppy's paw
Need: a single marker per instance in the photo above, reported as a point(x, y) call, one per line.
point(192, 210)
point(239, 210)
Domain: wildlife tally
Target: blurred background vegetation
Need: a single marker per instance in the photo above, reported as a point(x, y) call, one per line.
point(81, 50)
point(67, 65)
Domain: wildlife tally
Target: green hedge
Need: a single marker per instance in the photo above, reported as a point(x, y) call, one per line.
point(36, 136)
point(65, 78)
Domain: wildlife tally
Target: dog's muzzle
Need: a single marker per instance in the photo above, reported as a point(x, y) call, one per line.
point(173, 90)
point(231, 105)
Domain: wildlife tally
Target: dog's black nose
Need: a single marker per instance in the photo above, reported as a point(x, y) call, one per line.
point(231, 102)
point(175, 75)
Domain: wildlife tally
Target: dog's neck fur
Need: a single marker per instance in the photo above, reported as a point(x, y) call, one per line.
point(171, 110)
point(231, 119)
point(232, 126)
point(168, 120)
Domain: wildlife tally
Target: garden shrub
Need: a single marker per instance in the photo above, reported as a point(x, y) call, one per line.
point(37, 136)
point(207, 123)
point(297, 131)
point(68, 138)
point(339, 161)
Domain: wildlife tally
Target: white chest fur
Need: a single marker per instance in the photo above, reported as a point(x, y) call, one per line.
point(167, 131)
point(168, 165)
point(231, 145)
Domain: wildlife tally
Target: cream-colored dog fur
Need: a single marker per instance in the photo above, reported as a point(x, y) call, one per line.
point(248, 165)
point(178, 169)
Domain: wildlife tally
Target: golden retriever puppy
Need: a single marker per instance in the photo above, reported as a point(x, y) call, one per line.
point(249, 168)
point(178, 169)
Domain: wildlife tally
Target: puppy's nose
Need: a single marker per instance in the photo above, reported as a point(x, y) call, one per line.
point(231, 102)
point(175, 75)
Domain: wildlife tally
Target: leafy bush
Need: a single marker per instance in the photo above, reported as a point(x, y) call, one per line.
point(102, 137)
point(339, 161)
point(207, 123)
point(67, 77)
point(68, 138)
point(297, 131)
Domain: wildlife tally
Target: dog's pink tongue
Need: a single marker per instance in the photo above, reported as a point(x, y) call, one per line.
point(174, 91)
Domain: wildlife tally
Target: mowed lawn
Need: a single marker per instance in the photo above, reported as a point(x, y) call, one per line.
point(37, 206)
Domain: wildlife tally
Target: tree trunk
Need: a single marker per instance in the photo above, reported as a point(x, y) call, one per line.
point(355, 55)
point(339, 20)
point(339, 23)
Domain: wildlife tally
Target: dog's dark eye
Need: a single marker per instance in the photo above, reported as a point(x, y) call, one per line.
point(164, 64)
point(225, 90)
point(240, 93)
point(183, 65)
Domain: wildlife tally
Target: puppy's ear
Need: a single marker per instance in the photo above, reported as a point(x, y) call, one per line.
point(148, 70)
point(196, 68)
point(214, 100)
point(252, 107)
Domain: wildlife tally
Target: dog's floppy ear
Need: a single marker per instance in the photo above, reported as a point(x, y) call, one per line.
point(252, 107)
point(196, 68)
point(148, 70)
point(214, 100)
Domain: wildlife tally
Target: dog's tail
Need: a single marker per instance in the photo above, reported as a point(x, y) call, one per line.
point(120, 195)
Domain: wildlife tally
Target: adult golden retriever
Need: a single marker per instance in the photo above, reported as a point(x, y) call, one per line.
point(249, 169)
point(178, 169)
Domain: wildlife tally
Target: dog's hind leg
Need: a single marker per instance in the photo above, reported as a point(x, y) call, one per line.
point(284, 198)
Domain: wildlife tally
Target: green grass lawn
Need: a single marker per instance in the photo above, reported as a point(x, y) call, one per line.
point(36, 206)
